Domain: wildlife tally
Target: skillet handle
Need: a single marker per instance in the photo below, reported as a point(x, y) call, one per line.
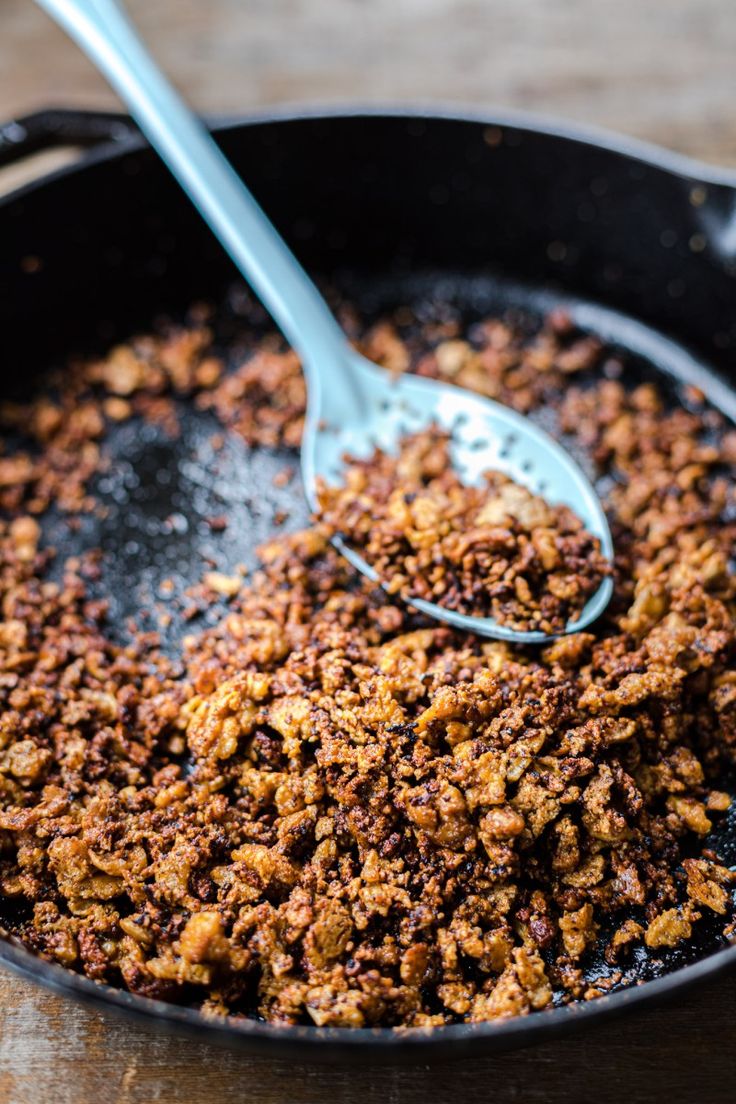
point(56, 128)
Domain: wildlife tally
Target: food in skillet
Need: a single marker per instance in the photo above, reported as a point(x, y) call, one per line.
point(326, 809)
point(494, 550)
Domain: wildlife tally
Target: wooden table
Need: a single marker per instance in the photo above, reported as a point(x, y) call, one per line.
point(660, 69)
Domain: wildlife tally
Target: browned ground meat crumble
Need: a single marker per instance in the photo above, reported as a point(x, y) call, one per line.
point(494, 550)
point(328, 810)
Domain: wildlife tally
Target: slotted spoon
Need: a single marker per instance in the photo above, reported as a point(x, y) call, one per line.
point(353, 405)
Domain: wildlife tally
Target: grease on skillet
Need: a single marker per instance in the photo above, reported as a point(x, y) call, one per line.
point(271, 792)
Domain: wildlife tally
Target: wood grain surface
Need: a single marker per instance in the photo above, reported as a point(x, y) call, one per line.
point(659, 69)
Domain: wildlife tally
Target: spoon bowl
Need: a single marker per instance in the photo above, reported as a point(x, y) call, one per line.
point(366, 407)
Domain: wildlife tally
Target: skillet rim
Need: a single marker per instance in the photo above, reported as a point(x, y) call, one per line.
point(378, 1044)
point(548, 124)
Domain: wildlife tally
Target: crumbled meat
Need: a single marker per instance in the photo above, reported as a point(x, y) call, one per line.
point(329, 810)
point(668, 929)
point(495, 550)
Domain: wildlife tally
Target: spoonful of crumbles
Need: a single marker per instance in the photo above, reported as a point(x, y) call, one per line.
point(453, 502)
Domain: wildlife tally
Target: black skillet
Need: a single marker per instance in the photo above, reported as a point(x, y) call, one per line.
point(486, 214)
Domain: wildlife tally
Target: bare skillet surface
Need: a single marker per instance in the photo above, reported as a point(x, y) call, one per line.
point(484, 295)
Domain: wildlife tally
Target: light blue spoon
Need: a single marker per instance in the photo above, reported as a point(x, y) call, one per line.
point(353, 405)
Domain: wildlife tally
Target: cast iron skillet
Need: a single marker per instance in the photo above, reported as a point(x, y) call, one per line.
point(489, 213)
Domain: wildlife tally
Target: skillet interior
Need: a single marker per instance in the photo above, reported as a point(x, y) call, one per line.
point(159, 492)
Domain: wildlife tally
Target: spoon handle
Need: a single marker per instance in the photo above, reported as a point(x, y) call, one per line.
point(104, 32)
